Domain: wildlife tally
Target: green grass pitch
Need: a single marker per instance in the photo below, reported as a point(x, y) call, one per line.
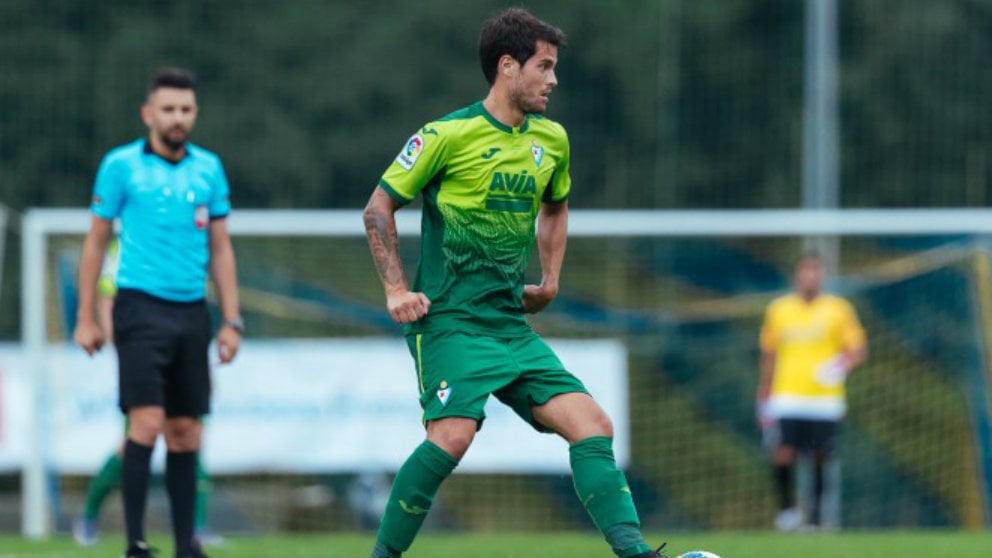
point(904, 544)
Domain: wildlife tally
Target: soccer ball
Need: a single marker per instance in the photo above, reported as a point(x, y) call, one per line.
point(698, 554)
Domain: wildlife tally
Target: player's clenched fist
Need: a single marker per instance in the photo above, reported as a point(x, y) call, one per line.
point(89, 337)
point(537, 297)
point(407, 306)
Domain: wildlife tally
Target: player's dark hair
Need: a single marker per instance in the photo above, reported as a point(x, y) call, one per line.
point(176, 78)
point(811, 255)
point(515, 32)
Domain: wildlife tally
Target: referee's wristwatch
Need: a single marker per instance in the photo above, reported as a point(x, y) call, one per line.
point(237, 324)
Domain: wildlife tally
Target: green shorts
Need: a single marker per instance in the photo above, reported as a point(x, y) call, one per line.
point(456, 373)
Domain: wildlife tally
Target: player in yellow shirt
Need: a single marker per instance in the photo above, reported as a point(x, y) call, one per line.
point(810, 342)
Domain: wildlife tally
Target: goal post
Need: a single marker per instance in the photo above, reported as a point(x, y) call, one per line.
point(39, 226)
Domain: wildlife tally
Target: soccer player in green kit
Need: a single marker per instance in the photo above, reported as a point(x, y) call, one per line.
point(486, 174)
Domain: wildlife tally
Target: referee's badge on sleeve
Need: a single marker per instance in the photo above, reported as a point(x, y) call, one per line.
point(408, 156)
point(201, 216)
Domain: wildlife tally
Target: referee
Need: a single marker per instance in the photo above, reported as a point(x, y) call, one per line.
point(172, 198)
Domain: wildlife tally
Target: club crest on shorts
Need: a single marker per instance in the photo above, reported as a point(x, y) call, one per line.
point(444, 394)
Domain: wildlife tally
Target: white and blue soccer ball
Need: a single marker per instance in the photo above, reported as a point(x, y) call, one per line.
point(698, 554)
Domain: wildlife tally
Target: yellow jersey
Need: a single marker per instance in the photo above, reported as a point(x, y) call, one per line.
point(809, 340)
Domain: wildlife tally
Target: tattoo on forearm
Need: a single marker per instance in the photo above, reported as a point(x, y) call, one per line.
point(384, 244)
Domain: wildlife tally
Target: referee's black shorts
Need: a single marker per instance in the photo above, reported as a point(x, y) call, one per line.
point(162, 353)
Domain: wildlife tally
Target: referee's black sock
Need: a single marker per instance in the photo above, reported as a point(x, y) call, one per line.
point(180, 481)
point(135, 468)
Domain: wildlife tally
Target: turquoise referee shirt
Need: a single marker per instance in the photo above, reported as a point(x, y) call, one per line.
point(165, 210)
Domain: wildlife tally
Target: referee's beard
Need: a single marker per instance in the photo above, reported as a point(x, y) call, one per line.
point(175, 138)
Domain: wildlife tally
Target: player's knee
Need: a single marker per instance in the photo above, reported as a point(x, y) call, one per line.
point(602, 424)
point(145, 424)
point(454, 436)
point(784, 455)
point(182, 435)
point(455, 444)
point(185, 443)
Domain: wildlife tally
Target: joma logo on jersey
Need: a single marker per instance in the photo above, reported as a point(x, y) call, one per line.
point(519, 183)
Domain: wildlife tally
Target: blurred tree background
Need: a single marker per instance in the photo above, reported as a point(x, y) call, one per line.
point(669, 103)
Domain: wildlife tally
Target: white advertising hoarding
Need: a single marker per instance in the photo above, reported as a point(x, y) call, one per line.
point(300, 406)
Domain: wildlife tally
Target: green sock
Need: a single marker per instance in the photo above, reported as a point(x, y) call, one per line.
point(203, 486)
point(102, 484)
point(603, 491)
point(410, 499)
point(382, 551)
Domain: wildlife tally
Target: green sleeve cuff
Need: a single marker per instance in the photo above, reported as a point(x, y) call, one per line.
point(400, 198)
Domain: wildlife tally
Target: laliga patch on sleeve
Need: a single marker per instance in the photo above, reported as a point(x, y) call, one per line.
point(408, 156)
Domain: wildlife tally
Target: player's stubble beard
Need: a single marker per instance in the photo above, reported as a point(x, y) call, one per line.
point(519, 99)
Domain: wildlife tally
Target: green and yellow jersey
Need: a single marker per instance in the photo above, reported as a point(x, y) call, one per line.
point(106, 285)
point(482, 183)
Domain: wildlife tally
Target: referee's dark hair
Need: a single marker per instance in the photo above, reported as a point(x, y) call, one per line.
point(176, 78)
point(515, 32)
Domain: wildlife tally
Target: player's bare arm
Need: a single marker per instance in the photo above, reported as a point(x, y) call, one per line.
point(855, 357)
point(404, 305)
point(767, 369)
point(767, 373)
point(223, 270)
point(552, 236)
point(88, 334)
